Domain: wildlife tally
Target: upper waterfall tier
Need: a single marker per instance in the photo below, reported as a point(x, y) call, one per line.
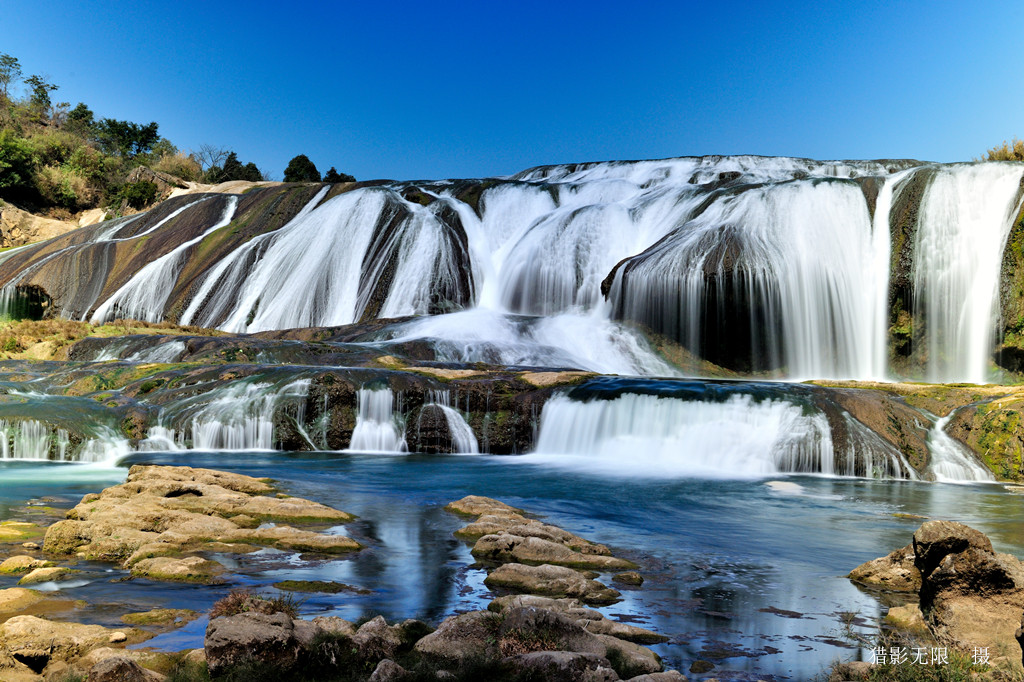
point(775, 266)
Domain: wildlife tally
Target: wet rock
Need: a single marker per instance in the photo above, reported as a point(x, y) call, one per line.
point(160, 513)
point(907, 618)
point(551, 581)
point(190, 569)
point(476, 505)
point(269, 639)
point(896, 572)
point(504, 547)
point(629, 578)
point(667, 676)
point(590, 620)
point(22, 563)
point(47, 574)
point(169, 618)
point(564, 666)
point(122, 669)
point(430, 432)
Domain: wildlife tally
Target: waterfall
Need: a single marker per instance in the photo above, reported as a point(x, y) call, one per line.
point(951, 461)
point(29, 439)
point(144, 296)
point(239, 416)
point(965, 218)
point(463, 439)
point(646, 435)
point(378, 428)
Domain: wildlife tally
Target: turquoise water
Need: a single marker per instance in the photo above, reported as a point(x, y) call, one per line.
point(748, 574)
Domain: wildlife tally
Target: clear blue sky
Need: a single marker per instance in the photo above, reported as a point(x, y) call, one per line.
point(469, 89)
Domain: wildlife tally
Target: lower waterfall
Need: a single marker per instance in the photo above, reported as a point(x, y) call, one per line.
point(377, 426)
point(950, 461)
point(647, 435)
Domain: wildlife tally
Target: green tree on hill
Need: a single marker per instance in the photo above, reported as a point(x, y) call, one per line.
point(126, 139)
point(301, 169)
point(334, 176)
point(10, 73)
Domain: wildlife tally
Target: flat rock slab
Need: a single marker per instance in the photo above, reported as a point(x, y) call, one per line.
point(164, 512)
point(551, 581)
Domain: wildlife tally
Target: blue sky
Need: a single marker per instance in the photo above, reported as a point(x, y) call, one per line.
point(469, 89)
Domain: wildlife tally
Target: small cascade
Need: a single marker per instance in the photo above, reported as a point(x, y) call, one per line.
point(462, 436)
point(378, 428)
point(964, 220)
point(239, 416)
point(647, 435)
point(951, 462)
point(32, 440)
point(170, 351)
point(144, 296)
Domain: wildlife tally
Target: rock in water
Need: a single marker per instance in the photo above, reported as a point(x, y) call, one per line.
point(895, 571)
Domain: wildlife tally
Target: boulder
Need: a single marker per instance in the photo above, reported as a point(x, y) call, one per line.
point(461, 638)
point(269, 638)
point(551, 581)
point(504, 547)
point(564, 666)
point(47, 574)
point(22, 563)
point(476, 505)
point(376, 640)
point(590, 620)
point(35, 642)
point(667, 676)
point(934, 540)
point(122, 669)
point(15, 599)
point(192, 569)
point(388, 671)
point(895, 572)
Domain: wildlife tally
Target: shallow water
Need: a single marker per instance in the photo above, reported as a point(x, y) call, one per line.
point(746, 573)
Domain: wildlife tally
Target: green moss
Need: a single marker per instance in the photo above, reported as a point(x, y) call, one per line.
point(328, 587)
point(165, 617)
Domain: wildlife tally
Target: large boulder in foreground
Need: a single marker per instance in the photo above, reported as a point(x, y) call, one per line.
point(970, 595)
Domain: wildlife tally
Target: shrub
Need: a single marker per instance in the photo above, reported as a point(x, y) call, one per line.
point(241, 601)
point(1005, 152)
point(17, 163)
point(138, 195)
point(180, 165)
point(63, 187)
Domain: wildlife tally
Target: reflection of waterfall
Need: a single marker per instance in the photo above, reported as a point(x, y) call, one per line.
point(378, 428)
point(951, 461)
point(646, 435)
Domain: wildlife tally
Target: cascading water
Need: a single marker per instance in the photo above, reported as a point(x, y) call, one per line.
point(648, 435)
point(239, 416)
point(965, 218)
point(378, 428)
point(463, 439)
point(145, 295)
point(951, 461)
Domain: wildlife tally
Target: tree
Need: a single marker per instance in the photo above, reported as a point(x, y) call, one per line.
point(301, 169)
point(81, 120)
point(1007, 152)
point(126, 139)
point(334, 176)
point(39, 100)
point(10, 72)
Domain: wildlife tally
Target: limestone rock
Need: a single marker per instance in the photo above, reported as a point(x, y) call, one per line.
point(190, 569)
point(629, 578)
point(23, 637)
point(551, 581)
point(667, 676)
point(162, 512)
point(22, 563)
point(565, 666)
point(476, 505)
point(335, 625)
point(896, 572)
point(461, 638)
point(122, 669)
point(907, 618)
point(19, 227)
point(590, 620)
point(513, 548)
point(388, 671)
point(47, 574)
point(934, 540)
point(15, 599)
point(376, 640)
point(232, 640)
